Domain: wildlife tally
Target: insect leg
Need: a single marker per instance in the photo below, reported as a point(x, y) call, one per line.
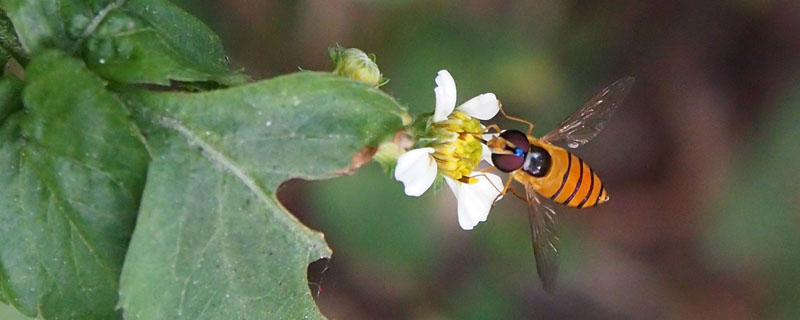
point(490, 182)
point(505, 190)
point(530, 124)
point(492, 126)
point(508, 188)
point(489, 169)
point(479, 136)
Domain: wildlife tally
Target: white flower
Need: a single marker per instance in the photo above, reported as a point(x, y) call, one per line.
point(475, 199)
point(455, 154)
point(483, 107)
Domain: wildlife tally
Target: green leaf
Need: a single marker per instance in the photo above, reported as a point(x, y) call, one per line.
point(52, 24)
point(9, 313)
point(10, 89)
point(134, 41)
point(38, 23)
point(153, 41)
point(211, 240)
point(70, 183)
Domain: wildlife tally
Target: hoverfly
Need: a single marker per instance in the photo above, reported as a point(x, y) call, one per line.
point(549, 171)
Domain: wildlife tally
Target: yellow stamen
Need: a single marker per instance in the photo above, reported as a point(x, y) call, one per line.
point(458, 152)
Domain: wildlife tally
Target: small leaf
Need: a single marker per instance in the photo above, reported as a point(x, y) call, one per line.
point(153, 41)
point(53, 24)
point(211, 240)
point(134, 41)
point(38, 24)
point(70, 183)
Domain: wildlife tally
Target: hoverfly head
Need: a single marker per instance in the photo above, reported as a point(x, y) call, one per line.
point(509, 150)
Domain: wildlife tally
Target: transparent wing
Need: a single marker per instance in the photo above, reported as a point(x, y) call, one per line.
point(545, 240)
point(584, 124)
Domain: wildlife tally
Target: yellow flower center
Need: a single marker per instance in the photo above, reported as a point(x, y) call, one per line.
point(457, 151)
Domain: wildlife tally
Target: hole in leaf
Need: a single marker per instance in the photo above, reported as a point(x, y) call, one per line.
point(316, 277)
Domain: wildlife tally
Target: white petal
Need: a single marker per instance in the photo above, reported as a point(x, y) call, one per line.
point(454, 185)
point(465, 221)
point(482, 107)
point(475, 200)
point(416, 169)
point(445, 96)
point(486, 154)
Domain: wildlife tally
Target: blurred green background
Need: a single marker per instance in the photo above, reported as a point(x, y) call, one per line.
point(701, 162)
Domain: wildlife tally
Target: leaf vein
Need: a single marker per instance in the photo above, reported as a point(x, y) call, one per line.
point(222, 160)
point(78, 162)
point(196, 266)
point(101, 15)
point(78, 231)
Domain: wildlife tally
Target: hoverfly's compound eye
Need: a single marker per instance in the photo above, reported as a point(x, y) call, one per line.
point(515, 160)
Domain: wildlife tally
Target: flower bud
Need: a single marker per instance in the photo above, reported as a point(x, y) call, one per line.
point(355, 64)
point(389, 151)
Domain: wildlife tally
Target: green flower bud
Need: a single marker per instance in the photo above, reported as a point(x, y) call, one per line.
point(387, 155)
point(389, 151)
point(355, 64)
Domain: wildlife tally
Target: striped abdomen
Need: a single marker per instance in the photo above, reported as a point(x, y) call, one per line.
point(569, 181)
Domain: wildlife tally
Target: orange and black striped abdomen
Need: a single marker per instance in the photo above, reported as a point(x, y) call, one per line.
point(571, 181)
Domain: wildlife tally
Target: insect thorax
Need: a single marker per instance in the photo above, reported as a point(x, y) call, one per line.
point(537, 162)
